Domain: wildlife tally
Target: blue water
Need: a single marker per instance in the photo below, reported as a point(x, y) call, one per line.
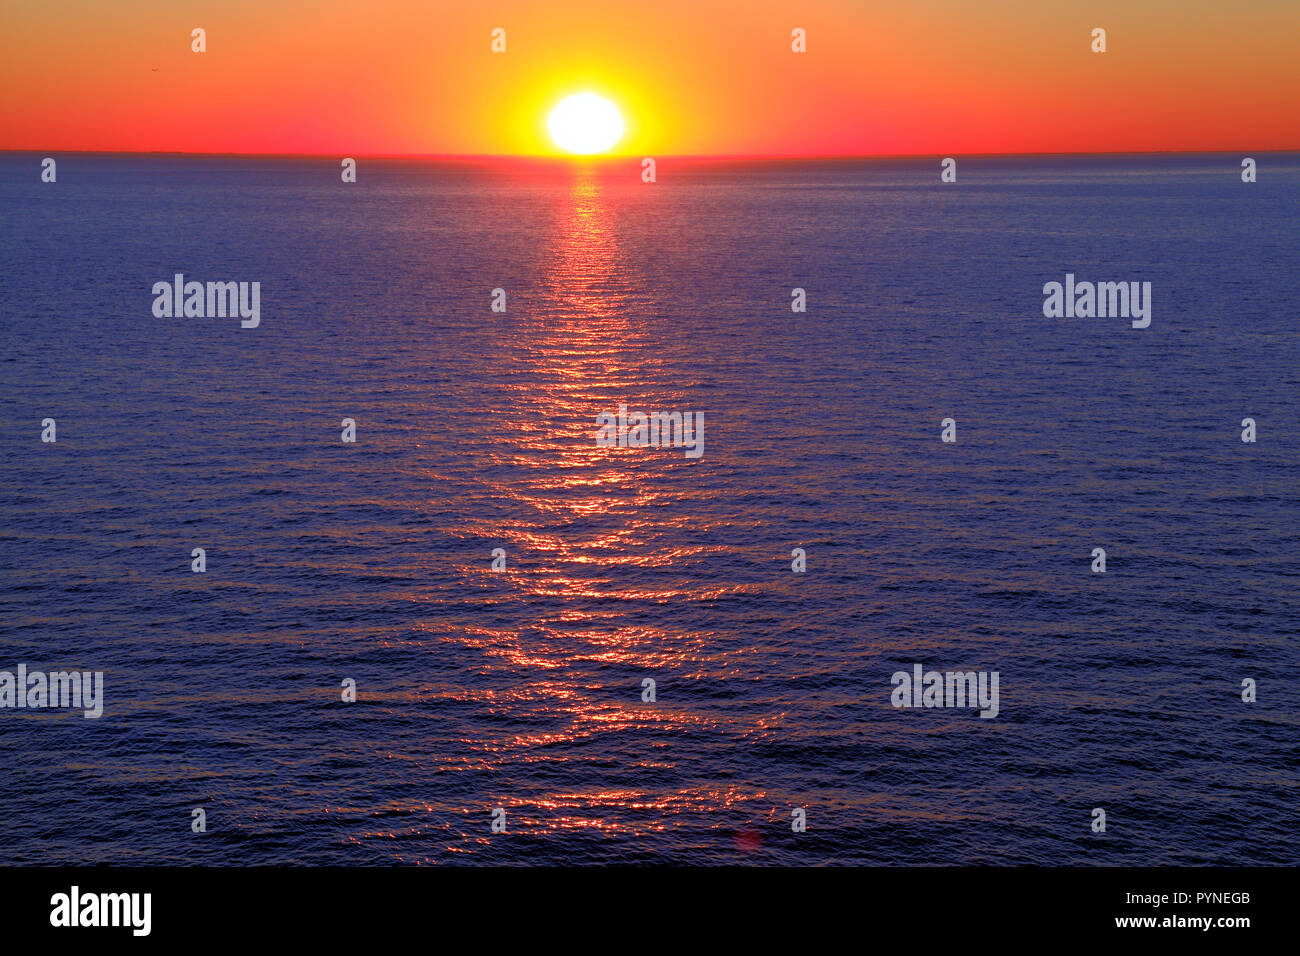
point(521, 689)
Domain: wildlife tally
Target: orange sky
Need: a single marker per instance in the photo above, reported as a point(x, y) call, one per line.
point(691, 77)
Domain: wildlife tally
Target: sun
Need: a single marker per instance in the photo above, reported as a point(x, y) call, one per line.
point(585, 123)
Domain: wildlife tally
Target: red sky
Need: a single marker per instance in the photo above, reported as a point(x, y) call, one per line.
point(689, 76)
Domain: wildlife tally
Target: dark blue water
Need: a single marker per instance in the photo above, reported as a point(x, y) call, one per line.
point(521, 689)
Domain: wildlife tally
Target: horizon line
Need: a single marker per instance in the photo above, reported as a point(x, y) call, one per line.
point(558, 157)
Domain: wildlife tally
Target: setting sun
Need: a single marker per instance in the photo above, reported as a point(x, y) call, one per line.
point(585, 123)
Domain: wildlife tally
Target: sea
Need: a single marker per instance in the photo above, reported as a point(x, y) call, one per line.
point(569, 652)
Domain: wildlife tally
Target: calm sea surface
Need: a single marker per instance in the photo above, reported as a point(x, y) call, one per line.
point(521, 689)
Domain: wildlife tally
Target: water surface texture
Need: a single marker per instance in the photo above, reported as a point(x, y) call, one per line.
point(521, 689)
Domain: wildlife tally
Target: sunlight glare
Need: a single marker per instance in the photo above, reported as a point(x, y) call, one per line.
point(585, 123)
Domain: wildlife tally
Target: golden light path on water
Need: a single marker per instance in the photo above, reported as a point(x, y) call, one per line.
point(594, 537)
point(574, 363)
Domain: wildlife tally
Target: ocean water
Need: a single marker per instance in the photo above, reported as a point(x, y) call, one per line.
point(521, 689)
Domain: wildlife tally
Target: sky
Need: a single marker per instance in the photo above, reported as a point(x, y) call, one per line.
point(690, 77)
